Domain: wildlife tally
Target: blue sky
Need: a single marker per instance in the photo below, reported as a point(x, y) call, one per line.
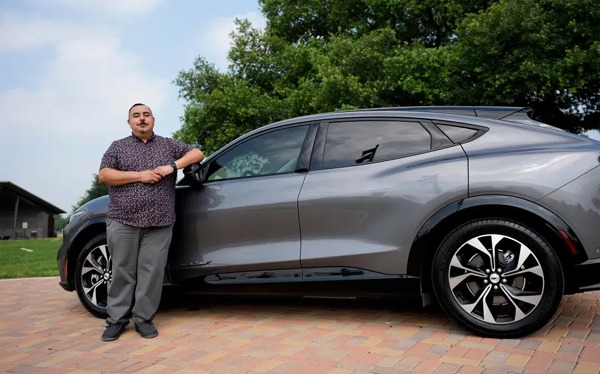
point(70, 69)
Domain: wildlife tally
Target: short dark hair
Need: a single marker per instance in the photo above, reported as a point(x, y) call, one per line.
point(134, 105)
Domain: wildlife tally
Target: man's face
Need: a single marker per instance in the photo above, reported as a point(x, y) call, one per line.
point(141, 121)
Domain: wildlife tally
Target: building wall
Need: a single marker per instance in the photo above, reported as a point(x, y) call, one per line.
point(38, 213)
point(37, 222)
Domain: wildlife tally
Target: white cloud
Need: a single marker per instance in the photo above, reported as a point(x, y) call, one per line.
point(108, 7)
point(54, 134)
point(33, 33)
point(69, 99)
point(89, 81)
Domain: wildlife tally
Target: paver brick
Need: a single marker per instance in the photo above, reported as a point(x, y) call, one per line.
point(44, 329)
point(560, 366)
point(586, 368)
point(517, 360)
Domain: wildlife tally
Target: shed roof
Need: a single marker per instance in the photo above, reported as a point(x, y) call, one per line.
point(31, 198)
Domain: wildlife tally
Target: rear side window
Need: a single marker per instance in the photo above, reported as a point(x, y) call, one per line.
point(458, 134)
point(353, 143)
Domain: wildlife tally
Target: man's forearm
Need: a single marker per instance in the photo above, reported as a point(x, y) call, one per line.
point(113, 177)
point(193, 156)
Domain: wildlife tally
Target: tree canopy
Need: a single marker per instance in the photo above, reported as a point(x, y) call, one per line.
point(324, 55)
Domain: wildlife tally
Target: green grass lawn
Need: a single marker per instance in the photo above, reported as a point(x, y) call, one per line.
point(28, 258)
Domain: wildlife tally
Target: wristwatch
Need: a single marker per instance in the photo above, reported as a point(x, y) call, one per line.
point(174, 166)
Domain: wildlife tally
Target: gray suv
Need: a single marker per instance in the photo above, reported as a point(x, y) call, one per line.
point(493, 215)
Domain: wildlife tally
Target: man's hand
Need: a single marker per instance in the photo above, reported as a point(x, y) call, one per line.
point(151, 176)
point(165, 170)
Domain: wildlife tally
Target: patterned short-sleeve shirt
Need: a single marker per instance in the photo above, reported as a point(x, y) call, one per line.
point(143, 204)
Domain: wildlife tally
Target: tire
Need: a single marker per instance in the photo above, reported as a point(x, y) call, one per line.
point(93, 275)
point(497, 278)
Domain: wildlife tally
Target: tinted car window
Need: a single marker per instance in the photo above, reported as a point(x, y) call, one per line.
point(274, 152)
point(360, 142)
point(458, 134)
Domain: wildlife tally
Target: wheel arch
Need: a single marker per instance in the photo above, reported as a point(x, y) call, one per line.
point(525, 212)
point(93, 228)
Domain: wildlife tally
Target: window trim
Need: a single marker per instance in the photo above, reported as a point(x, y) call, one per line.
point(318, 157)
point(480, 129)
point(310, 132)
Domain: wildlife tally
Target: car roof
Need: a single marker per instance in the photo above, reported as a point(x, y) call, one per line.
point(491, 112)
point(487, 116)
point(469, 115)
point(466, 114)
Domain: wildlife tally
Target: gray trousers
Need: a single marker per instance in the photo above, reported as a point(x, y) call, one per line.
point(139, 257)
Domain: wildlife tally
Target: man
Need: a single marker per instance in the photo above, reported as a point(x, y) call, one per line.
point(141, 172)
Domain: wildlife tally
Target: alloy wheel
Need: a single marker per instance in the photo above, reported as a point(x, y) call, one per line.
point(496, 279)
point(96, 275)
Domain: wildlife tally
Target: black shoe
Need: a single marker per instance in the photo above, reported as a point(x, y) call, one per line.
point(146, 329)
point(113, 331)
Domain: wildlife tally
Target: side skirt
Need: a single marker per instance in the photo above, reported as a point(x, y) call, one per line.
point(315, 282)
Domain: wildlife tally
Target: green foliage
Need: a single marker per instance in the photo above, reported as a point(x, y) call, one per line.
point(325, 55)
point(98, 189)
point(28, 258)
point(60, 222)
point(538, 53)
point(427, 22)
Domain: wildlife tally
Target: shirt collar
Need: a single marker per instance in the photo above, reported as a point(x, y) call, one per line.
point(140, 140)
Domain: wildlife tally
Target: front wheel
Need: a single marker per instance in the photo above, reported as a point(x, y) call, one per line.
point(93, 275)
point(497, 278)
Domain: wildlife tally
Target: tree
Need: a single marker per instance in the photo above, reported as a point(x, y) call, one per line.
point(545, 54)
point(324, 55)
point(98, 189)
point(60, 222)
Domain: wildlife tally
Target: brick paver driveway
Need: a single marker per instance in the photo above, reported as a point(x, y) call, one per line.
point(44, 329)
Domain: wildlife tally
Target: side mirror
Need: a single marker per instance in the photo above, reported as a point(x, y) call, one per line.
point(195, 174)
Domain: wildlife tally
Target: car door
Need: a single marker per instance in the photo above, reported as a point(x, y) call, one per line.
point(244, 218)
point(373, 183)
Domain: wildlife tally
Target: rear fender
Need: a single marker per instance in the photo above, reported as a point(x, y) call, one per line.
point(538, 218)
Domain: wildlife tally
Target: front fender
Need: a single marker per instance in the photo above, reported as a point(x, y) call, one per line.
point(73, 242)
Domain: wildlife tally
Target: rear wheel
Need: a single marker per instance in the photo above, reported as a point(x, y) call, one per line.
point(93, 275)
point(497, 278)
